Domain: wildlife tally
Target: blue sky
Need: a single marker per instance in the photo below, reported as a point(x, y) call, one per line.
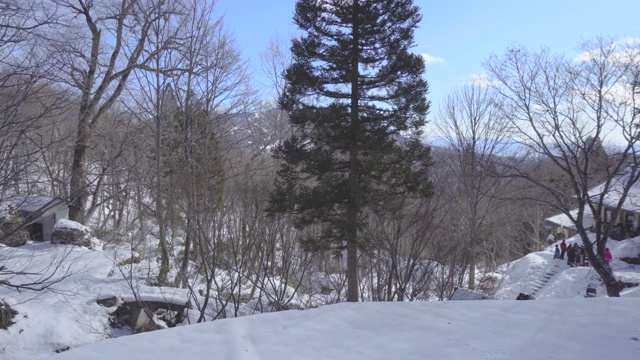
point(459, 34)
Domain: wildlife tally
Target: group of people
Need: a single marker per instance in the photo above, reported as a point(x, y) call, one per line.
point(576, 255)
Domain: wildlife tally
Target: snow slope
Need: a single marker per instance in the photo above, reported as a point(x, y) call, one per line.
point(600, 328)
point(563, 325)
point(521, 276)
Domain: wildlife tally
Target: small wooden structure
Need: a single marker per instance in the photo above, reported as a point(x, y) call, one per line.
point(37, 214)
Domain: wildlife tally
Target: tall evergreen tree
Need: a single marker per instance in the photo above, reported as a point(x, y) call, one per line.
point(357, 100)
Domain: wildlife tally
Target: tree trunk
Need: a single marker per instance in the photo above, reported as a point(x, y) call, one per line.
point(353, 205)
point(603, 270)
point(164, 253)
point(159, 202)
point(181, 278)
point(613, 286)
point(77, 184)
point(472, 273)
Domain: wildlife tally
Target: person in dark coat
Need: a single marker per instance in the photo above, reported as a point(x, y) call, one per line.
point(577, 256)
point(556, 257)
point(583, 255)
point(571, 255)
point(563, 249)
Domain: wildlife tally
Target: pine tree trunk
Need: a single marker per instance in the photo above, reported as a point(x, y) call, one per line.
point(352, 256)
point(352, 223)
point(353, 206)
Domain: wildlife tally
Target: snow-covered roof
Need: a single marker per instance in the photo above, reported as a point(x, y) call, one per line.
point(29, 203)
point(563, 220)
point(611, 198)
point(614, 193)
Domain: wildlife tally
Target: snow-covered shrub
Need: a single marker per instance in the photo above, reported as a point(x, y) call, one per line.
point(71, 232)
point(134, 259)
point(8, 234)
point(6, 315)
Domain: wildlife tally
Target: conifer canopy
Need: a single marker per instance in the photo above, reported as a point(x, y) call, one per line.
point(356, 98)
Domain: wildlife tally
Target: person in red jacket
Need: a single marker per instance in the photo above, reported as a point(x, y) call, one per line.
point(563, 249)
point(607, 256)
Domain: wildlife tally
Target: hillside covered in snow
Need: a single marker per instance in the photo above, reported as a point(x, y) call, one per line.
point(562, 323)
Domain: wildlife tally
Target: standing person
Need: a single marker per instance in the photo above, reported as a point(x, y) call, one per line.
point(571, 255)
point(577, 256)
point(583, 254)
point(607, 256)
point(556, 257)
point(563, 249)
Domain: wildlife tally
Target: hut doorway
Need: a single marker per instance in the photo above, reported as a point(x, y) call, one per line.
point(36, 232)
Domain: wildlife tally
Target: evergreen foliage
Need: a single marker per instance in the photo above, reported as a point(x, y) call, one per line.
point(356, 98)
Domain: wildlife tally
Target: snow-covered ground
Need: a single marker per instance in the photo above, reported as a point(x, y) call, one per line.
point(563, 325)
point(555, 329)
point(522, 275)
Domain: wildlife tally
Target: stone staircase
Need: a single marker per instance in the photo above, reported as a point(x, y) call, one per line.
point(544, 279)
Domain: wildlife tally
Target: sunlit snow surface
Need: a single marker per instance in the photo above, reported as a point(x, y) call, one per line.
point(562, 324)
point(598, 328)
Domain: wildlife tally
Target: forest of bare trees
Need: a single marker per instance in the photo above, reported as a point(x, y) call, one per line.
point(144, 116)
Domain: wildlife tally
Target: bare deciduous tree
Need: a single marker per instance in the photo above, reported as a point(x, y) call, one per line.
point(402, 263)
point(28, 102)
point(274, 60)
point(475, 133)
point(107, 45)
point(557, 106)
point(213, 87)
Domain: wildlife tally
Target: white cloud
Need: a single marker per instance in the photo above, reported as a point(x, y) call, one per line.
point(622, 51)
point(630, 41)
point(430, 59)
point(481, 80)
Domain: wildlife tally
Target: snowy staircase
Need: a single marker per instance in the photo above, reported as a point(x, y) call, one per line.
point(543, 280)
